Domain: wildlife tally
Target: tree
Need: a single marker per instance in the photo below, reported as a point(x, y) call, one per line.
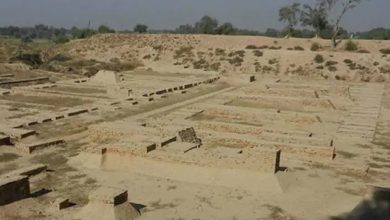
point(83, 33)
point(185, 29)
point(206, 25)
point(290, 15)
point(347, 5)
point(270, 32)
point(315, 17)
point(226, 29)
point(103, 29)
point(141, 28)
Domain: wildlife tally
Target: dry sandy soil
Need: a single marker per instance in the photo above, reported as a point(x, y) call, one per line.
point(191, 135)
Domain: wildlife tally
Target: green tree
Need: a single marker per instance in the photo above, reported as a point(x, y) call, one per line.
point(140, 28)
point(103, 29)
point(346, 5)
point(315, 17)
point(226, 29)
point(290, 15)
point(185, 29)
point(206, 25)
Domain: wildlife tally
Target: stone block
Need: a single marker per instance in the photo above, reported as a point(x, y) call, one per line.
point(109, 195)
point(13, 188)
point(29, 148)
point(29, 171)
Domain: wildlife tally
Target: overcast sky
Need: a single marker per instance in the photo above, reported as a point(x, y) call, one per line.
point(169, 14)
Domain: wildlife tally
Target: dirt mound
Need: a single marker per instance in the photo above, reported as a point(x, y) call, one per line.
point(235, 54)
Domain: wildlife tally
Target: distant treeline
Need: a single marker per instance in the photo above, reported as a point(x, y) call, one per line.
point(206, 25)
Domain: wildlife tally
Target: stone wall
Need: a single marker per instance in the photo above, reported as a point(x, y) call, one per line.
point(13, 188)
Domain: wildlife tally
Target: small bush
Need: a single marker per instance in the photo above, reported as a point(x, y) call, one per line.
point(350, 46)
point(331, 63)
point(251, 47)
point(257, 53)
point(220, 52)
point(337, 77)
point(146, 57)
point(200, 64)
point(236, 61)
point(183, 51)
point(315, 46)
point(319, 58)
point(332, 68)
point(363, 51)
point(158, 47)
point(240, 53)
point(348, 61)
point(275, 48)
point(298, 48)
point(272, 61)
point(385, 51)
point(61, 40)
point(215, 66)
point(376, 63)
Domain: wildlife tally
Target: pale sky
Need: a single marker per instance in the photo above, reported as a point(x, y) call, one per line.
point(169, 14)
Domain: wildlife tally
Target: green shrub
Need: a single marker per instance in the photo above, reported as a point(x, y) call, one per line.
point(61, 40)
point(350, 46)
point(319, 58)
point(315, 46)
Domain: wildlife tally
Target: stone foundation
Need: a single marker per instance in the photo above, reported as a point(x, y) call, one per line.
point(13, 188)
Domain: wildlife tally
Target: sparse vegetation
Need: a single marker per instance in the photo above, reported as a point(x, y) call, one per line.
point(182, 52)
